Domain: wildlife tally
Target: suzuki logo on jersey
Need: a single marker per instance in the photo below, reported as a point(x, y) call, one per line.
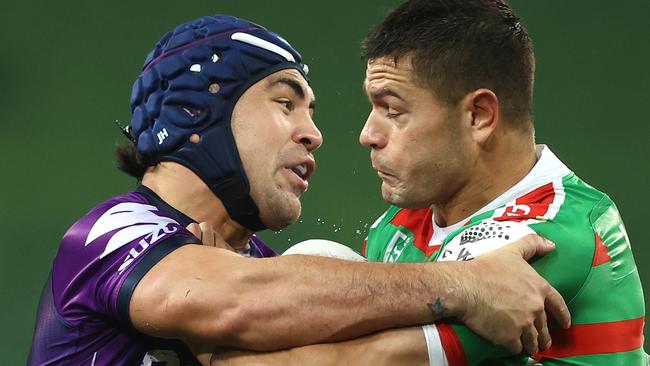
point(144, 243)
point(127, 222)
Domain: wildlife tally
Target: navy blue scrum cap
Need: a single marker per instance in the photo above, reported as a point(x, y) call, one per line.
point(190, 83)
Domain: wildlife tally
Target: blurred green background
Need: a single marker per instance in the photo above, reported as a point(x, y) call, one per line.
point(66, 72)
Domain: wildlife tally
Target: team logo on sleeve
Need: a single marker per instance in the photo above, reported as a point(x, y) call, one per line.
point(483, 238)
point(127, 222)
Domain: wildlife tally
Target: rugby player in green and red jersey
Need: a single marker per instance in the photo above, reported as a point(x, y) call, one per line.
point(222, 135)
point(452, 139)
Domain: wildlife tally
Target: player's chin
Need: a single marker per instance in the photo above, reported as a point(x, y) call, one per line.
point(284, 216)
point(391, 194)
point(403, 198)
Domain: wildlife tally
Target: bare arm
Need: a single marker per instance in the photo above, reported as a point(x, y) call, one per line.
point(205, 294)
point(208, 295)
point(404, 347)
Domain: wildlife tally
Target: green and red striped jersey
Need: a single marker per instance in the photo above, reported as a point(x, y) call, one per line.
point(592, 267)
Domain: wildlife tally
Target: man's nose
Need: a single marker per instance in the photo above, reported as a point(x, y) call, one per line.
point(309, 135)
point(373, 135)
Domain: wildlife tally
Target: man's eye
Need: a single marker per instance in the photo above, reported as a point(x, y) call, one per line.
point(288, 104)
point(392, 114)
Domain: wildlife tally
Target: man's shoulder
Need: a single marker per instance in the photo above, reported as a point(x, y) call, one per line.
point(80, 229)
point(572, 222)
point(110, 226)
point(101, 249)
point(100, 260)
point(563, 204)
point(561, 209)
point(581, 194)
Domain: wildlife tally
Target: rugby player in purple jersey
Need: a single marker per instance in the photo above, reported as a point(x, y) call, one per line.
point(223, 135)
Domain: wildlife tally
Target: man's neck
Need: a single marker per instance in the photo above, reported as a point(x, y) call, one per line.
point(183, 190)
point(496, 171)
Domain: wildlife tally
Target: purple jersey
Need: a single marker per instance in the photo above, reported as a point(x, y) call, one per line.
point(83, 316)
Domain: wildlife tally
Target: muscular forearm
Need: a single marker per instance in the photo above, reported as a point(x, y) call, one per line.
point(210, 296)
point(305, 300)
point(404, 347)
point(270, 304)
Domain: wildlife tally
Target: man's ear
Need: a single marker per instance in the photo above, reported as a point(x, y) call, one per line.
point(482, 106)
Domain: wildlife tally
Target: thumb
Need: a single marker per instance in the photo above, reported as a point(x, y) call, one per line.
point(533, 244)
point(195, 229)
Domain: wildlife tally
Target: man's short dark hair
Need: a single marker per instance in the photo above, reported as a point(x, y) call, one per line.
point(458, 46)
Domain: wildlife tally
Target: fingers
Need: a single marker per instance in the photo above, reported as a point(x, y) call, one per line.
point(514, 346)
point(544, 337)
point(529, 340)
point(209, 235)
point(555, 304)
point(533, 244)
point(516, 322)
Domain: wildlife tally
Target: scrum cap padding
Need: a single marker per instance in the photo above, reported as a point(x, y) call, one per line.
point(190, 83)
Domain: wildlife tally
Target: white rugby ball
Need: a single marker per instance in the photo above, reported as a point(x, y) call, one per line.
point(325, 248)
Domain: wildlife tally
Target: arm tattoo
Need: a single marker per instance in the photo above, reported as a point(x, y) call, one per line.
point(438, 310)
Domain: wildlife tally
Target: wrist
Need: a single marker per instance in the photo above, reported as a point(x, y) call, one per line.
point(454, 299)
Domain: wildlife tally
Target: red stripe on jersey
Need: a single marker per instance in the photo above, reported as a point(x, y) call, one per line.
point(363, 249)
point(419, 223)
point(531, 205)
point(452, 346)
point(590, 339)
point(601, 255)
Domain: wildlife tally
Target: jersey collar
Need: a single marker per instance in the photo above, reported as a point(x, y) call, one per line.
point(155, 200)
point(547, 168)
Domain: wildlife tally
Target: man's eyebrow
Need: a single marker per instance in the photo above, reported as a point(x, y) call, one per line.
point(296, 87)
point(292, 83)
point(378, 94)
